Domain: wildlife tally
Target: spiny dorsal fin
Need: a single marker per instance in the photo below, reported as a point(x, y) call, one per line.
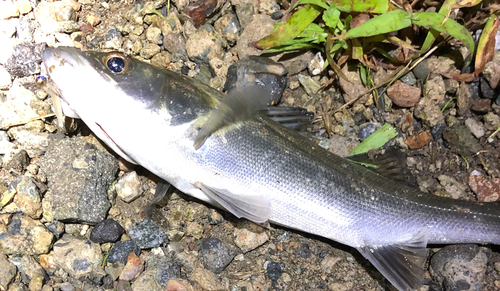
point(391, 164)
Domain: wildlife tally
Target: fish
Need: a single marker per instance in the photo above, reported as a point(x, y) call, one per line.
point(257, 169)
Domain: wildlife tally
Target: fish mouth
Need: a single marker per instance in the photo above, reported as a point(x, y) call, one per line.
point(54, 58)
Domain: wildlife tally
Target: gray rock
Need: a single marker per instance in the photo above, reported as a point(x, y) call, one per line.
point(78, 258)
point(421, 71)
point(120, 251)
point(429, 111)
point(260, 26)
point(146, 281)
point(460, 267)
point(491, 121)
point(56, 227)
point(27, 199)
point(36, 283)
point(56, 17)
point(7, 272)
point(453, 187)
point(260, 71)
point(216, 255)
point(31, 268)
point(304, 251)
point(78, 175)
point(491, 72)
point(368, 130)
point(24, 235)
point(19, 162)
point(25, 60)
point(167, 271)
point(206, 280)
point(146, 235)
point(245, 10)
point(149, 50)
point(475, 127)
point(113, 39)
point(461, 141)
point(205, 44)
point(128, 188)
point(174, 43)
point(464, 98)
point(115, 269)
point(229, 26)
point(25, 29)
point(409, 78)
point(107, 230)
point(274, 270)
point(486, 91)
point(66, 286)
point(153, 35)
point(248, 236)
point(162, 60)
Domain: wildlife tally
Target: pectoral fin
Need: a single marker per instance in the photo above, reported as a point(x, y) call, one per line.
point(256, 208)
point(239, 104)
point(403, 263)
point(292, 117)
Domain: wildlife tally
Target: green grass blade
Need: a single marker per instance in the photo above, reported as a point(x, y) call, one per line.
point(437, 22)
point(376, 139)
point(384, 23)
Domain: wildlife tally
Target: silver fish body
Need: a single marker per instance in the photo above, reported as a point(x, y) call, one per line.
point(259, 170)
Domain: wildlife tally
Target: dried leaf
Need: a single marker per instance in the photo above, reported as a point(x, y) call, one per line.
point(486, 44)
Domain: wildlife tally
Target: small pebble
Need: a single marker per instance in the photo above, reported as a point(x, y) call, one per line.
point(216, 255)
point(475, 127)
point(121, 250)
point(133, 268)
point(418, 140)
point(107, 230)
point(146, 235)
point(128, 188)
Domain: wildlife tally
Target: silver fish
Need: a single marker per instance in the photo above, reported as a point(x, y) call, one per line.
point(259, 170)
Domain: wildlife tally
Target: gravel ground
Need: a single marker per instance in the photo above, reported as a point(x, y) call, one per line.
point(71, 212)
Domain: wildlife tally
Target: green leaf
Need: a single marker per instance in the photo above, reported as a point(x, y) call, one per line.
point(291, 28)
point(331, 17)
point(365, 6)
point(320, 3)
point(312, 30)
point(437, 21)
point(293, 47)
point(376, 139)
point(384, 23)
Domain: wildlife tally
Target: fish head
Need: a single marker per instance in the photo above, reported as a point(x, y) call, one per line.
point(88, 76)
point(107, 90)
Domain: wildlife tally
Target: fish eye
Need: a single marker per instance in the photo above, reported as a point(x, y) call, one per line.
point(117, 63)
point(41, 81)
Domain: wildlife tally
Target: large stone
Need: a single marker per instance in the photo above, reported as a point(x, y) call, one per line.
point(24, 236)
point(78, 175)
point(79, 258)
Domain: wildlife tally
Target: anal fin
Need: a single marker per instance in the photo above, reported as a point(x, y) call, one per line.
point(402, 263)
point(256, 208)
